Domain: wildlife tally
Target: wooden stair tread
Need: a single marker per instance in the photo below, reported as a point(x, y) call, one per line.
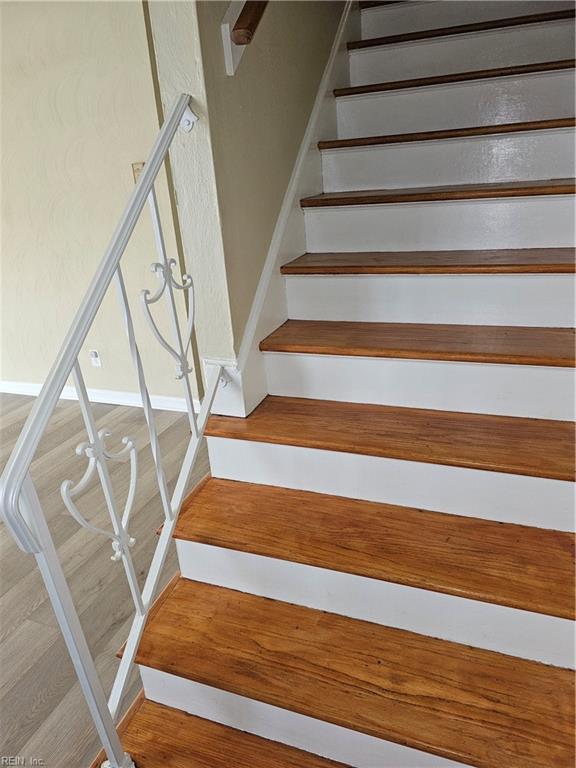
point(524, 260)
point(456, 77)
point(513, 345)
point(441, 193)
point(463, 703)
point(158, 736)
point(463, 29)
point(513, 565)
point(535, 447)
point(450, 133)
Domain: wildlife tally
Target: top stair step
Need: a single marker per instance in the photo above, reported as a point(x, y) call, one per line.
point(521, 261)
point(478, 707)
point(514, 445)
point(462, 29)
point(457, 77)
point(451, 133)
point(453, 192)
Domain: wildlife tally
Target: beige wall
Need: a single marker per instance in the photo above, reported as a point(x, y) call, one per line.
point(77, 110)
point(258, 118)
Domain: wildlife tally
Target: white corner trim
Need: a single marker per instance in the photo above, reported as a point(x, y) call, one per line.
point(292, 192)
point(111, 396)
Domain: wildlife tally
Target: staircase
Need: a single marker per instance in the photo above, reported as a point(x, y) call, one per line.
point(380, 571)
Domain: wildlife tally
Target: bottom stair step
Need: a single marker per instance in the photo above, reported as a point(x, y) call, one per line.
point(162, 737)
point(478, 707)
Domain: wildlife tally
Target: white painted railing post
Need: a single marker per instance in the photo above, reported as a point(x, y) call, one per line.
point(61, 599)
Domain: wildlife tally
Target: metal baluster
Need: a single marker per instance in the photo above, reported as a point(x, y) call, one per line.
point(144, 394)
point(162, 548)
point(121, 536)
point(164, 267)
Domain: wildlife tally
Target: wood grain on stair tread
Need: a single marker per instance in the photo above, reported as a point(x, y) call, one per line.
point(462, 29)
point(480, 707)
point(162, 737)
point(512, 345)
point(513, 565)
point(449, 133)
point(456, 77)
point(441, 193)
point(524, 260)
point(514, 445)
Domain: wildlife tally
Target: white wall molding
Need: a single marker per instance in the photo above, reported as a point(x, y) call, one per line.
point(111, 396)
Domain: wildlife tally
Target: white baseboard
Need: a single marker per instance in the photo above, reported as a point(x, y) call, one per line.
point(111, 396)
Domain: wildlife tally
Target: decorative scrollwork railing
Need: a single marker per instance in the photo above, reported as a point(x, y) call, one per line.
point(20, 505)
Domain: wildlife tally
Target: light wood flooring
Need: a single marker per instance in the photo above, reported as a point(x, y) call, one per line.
point(42, 711)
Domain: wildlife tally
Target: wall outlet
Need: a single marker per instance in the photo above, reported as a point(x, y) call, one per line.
point(95, 359)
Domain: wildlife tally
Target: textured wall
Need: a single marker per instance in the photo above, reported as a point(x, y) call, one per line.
point(174, 27)
point(258, 119)
point(77, 110)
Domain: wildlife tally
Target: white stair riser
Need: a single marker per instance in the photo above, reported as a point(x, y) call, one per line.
point(550, 41)
point(483, 625)
point(411, 17)
point(483, 159)
point(508, 390)
point(534, 501)
point(321, 738)
point(465, 299)
point(541, 96)
point(514, 222)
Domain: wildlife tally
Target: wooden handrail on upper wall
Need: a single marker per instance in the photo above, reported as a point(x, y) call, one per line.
point(247, 22)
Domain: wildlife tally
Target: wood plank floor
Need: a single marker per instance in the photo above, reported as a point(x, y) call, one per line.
point(42, 711)
point(515, 565)
point(475, 706)
point(519, 446)
point(520, 260)
point(512, 345)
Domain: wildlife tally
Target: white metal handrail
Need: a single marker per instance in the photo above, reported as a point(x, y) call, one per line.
point(20, 506)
